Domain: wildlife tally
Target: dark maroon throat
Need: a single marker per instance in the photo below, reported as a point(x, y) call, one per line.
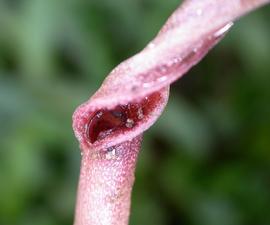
point(103, 123)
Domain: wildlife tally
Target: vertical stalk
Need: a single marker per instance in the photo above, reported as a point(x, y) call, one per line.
point(106, 181)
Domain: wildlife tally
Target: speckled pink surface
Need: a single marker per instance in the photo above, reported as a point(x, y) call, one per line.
point(107, 171)
point(105, 185)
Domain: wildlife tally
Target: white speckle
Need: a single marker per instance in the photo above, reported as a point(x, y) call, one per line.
point(129, 123)
point(140, 114)
point(99, 114)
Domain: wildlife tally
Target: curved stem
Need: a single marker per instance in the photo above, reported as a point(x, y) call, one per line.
point(105, 185)
point(107, 175)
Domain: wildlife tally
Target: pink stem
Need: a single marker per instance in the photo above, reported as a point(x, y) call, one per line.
point(105, 185)
point(108, 164)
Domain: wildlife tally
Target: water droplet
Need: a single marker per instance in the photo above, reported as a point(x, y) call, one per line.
point(146, 85)
point(99, 114)
point(199, 12)
point(163, 78)
point(223, 30)
point(111, 153)
point(151, 45)
point(110, 149)
point(129, 123)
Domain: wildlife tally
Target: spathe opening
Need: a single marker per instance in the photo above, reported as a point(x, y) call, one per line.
point(107, 123)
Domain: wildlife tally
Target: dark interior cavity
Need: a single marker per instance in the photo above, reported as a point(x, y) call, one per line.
point(122, 118)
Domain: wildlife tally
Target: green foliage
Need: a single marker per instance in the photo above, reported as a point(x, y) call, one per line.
point(205, 162)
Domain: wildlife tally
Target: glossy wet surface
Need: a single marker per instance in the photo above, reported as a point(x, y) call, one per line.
point(123, 117)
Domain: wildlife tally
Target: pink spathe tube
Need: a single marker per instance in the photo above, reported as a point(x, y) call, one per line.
point(110, 124)
point(105, 185)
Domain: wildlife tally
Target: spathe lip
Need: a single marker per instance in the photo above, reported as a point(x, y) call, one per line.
point(188, 35)
point(85, 111)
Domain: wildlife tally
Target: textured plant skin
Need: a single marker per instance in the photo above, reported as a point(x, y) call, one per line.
point(107, 170)
point(105, 185)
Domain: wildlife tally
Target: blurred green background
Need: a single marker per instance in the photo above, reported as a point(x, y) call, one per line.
point(205, 162)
